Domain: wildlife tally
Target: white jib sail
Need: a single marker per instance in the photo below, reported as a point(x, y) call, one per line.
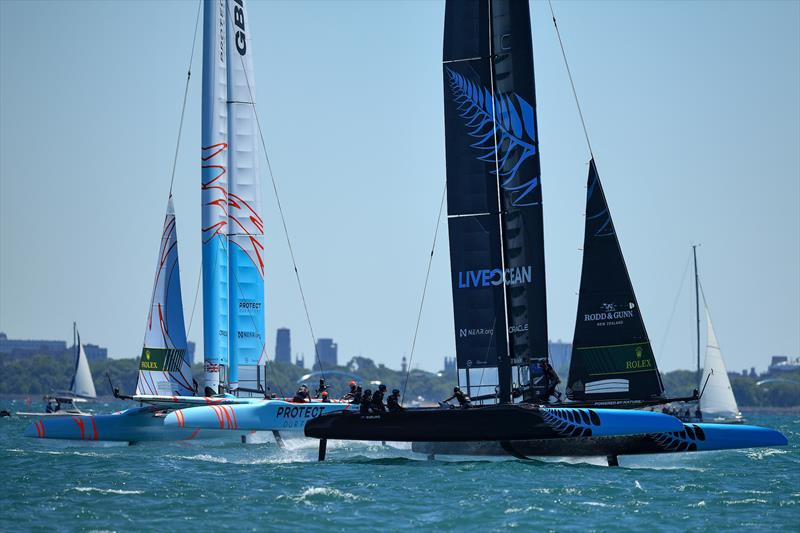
point(164, 368)
point(718, 397)
point(82, 383)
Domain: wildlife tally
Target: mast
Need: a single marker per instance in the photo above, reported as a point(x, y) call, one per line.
point(697, 314)
point(493, 194)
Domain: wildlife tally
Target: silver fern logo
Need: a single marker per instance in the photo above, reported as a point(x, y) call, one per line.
point(513, 128)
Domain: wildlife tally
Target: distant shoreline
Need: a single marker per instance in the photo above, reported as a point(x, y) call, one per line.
point(793, 409)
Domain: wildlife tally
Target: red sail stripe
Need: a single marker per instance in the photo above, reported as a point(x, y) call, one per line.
point(219, 146)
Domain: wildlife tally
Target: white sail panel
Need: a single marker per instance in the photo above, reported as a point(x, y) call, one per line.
point(718, 398)
point(245, 224)
point(215, 191)
point(164, 368)
point(82, 383)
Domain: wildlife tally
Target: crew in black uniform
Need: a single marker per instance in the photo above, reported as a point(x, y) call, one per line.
point(393, 402)
point(322, 388)
point(552, 379)
point(325, 398)
point(377, 399)
point(301, 396)
point(365, 402)
point(463, 399)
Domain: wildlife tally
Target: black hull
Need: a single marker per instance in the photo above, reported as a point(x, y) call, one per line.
point(487, 423)
point(497, 422)
point(573, 447)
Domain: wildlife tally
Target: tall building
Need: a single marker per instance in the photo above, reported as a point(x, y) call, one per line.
point(560, 355)
point(191, 352)
point(404, 365)
point(283, 346)
point(327, 351)
point(300, 360)
point(449, 364)
point(95, 352)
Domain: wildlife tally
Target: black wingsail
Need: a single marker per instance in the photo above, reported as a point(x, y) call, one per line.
point(493, 189)
point(612, 359)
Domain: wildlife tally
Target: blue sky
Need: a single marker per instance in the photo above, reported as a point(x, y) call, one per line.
point(693, 110)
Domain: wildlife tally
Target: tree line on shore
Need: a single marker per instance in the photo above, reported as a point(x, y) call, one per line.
point(41, 374)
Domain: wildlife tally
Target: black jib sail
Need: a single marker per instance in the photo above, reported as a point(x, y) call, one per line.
point(494, 194)
point(611, 354)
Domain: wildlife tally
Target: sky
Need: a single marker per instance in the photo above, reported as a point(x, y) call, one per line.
point(693, 110)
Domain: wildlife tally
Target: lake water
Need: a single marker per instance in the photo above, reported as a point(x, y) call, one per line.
point(63, 486)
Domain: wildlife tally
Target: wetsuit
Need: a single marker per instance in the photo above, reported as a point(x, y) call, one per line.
point(301, 396)
point(393, 403)
point(377, 402)
point(463, 399)
point(365, 404)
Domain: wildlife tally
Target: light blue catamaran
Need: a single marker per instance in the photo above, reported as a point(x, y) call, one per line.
point(233, 275)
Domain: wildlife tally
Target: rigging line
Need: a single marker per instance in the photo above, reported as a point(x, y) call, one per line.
point(283, 217)
point(185, 96)
point(675, 305)
point(571, 82)
point(280, 210)
point(424, 290)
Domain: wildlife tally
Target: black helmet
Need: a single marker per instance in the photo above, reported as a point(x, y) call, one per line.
point(367, 392)
point(456, 389)
point(382, 387)
point(395, 391)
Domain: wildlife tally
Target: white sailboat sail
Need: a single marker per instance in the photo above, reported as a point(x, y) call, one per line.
point(164, 368)
point(245, 225)
point(82, 384)
point(718, 399)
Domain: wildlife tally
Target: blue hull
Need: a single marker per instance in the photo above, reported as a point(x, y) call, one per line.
point(692, 438)
point(138, 424)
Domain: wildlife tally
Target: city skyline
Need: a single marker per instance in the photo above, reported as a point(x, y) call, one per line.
point(696, 141)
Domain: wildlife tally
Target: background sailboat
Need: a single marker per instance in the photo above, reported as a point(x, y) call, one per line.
point(718, 404)
point(81, 388)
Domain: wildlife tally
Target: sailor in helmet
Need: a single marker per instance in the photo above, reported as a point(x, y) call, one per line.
point(463, 399)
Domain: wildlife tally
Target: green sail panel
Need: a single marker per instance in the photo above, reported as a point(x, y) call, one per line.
point(612, 358)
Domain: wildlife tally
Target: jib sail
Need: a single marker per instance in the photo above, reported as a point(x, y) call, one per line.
point(611, 354)
point(164, 368)
point(493, 189)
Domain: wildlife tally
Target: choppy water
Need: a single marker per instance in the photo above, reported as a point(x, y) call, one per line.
point(61, 486)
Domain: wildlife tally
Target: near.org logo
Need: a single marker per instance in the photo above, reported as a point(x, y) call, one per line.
point(492, 277)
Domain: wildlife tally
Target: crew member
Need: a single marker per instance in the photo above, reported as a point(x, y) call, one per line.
point(325, 398)
point(351, 393)
point(393, 402)
point(463, 399)
point(552, 379)
point(377, 399)
point(322, 388)
point(365, 402)
point(301, 396)
point(698, 414)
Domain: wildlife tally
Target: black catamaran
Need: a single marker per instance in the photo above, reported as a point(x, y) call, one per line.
point(496, 250)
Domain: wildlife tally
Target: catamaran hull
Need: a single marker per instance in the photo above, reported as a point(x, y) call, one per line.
point(491, 423)
point(139, 424)
point(263, 415)
point(692, 438)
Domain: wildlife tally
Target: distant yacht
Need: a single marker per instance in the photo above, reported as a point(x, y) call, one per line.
point(81, 389)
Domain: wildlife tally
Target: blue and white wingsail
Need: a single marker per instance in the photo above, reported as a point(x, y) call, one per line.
point(164, 368)
point(245, 225)
point(214, 161)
